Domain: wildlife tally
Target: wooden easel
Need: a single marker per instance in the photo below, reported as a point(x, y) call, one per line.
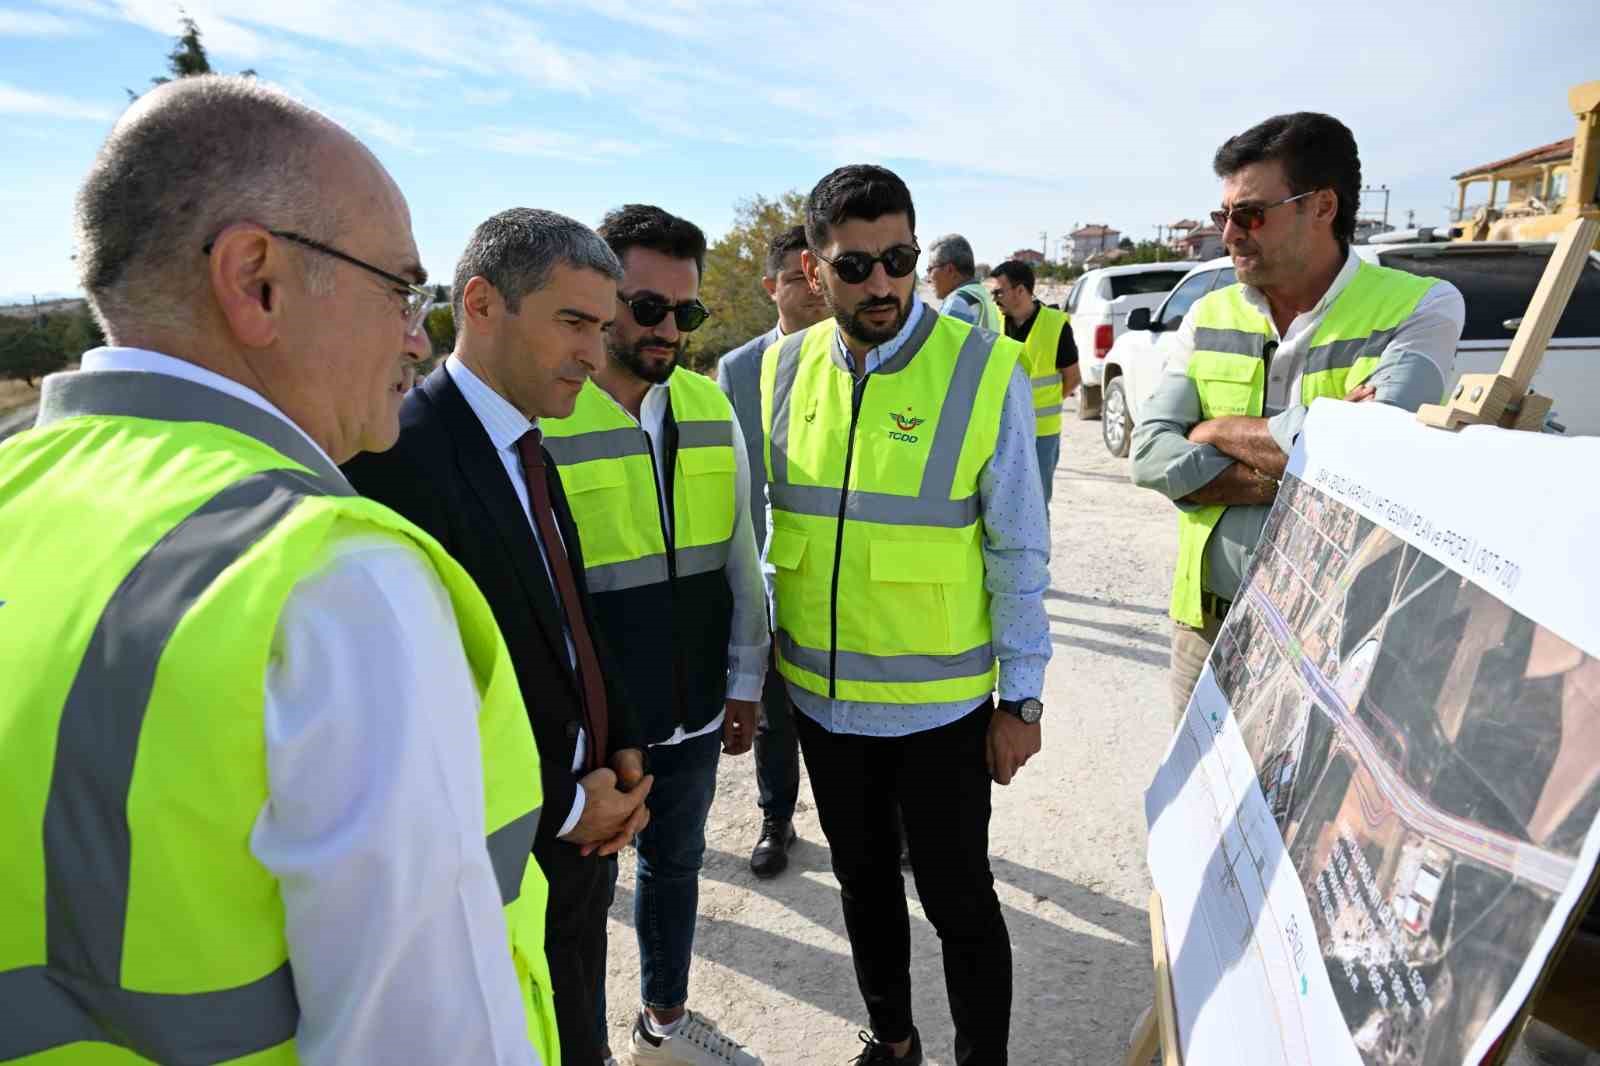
point(1565, 994)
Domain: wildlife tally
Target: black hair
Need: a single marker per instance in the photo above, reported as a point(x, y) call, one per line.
point(1015, 272)
point(784, 245)
point(646, 226)
point(859, 190)
point(1317, 152)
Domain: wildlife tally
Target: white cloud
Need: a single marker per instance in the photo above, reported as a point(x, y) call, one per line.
point(550, 144)
point(15, 23)
point(15, 101)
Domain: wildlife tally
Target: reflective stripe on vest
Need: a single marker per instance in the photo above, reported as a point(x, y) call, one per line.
point(909, 622)
point(1229, 372)
point(107, 824)
point(607, 469)
point(1039, 356)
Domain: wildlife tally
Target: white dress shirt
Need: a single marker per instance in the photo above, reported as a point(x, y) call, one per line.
point(374, 822)
point(506, 425)
point(749, 640)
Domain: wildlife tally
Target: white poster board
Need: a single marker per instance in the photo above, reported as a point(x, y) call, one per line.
point(1383, 803)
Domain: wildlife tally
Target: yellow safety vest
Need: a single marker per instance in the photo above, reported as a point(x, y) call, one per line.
point(608, 471)
point(135, 924)
point(876, 527)
point(1228, 368)
point(1039, 356)
point(989, 316)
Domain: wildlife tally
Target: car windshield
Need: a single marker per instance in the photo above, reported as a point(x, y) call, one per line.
point(1497, 286)
point(1145, 282)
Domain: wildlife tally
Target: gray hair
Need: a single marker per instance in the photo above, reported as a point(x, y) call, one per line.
point(187, 161)
point(516, 250)
point(953, 248)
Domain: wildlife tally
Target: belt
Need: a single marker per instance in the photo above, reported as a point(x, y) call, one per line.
point(1215, 605)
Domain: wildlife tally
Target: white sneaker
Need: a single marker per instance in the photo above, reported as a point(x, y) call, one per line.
point(698, 1042)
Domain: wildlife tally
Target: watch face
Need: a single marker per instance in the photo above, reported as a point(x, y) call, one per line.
point(1030, 711)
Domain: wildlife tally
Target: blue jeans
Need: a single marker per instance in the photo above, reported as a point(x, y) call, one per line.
point(671, 849)
point(777, 750)
point(1049, 449)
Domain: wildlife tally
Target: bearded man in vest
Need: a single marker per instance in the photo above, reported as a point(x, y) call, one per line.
point(270, 786)
point(910, 557)
point(653, 465)
point(1307, 319)
point(953, 273)
point(1049, 354)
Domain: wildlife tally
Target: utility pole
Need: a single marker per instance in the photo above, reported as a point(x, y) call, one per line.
point(1375, 190)
point(1411, 217)
point(1044, 244)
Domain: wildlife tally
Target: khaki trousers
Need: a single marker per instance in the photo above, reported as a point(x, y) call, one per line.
point(1190, 647)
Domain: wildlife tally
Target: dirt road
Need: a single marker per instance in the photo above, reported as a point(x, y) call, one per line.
point(771, 960)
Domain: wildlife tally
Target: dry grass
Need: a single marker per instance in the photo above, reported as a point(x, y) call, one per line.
point(15, 394)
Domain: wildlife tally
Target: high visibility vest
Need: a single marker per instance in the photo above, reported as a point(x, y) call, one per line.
point(1039, 357)
point(151, 531)
point(668, 612)
point(989, 316)
point(876, 528)
point(1228, 368)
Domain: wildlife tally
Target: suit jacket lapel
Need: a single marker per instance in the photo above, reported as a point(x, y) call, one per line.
point(483, 471)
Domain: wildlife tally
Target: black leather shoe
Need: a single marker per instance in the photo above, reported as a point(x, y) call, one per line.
point(877, 1053)
point(771, 854)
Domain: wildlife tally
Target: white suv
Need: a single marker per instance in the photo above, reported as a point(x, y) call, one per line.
point(1099, 304)
point(1496, 280)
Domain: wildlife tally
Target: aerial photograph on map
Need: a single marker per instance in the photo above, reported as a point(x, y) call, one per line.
point(1427, 753)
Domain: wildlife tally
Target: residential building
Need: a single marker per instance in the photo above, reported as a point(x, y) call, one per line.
point(1094, 239)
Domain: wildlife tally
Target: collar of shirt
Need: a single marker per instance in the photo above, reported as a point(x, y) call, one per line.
point(145, 361)
point(883, 352)
point(502, 421)
point(1307, 319)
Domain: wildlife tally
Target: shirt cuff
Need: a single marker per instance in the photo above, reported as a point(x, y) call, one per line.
point(1022, 677)
point(747, 672)
point(1285, 426)
point(579, 800)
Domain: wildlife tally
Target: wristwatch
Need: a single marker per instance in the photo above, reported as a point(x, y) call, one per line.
point(1029, 710)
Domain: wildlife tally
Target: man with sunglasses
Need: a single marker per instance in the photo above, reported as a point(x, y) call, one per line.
point(953, 272)
point(271, 789)
point(1307, 319)
point(739, 376)
point(910, 554)
point(652, 460)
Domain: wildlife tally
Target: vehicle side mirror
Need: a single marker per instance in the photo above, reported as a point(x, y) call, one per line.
point(1139, 318)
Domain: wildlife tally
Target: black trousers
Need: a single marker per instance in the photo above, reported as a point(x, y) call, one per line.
point(575, 944)
point(939, 780)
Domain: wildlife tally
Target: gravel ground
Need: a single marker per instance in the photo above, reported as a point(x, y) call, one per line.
point(771, 960)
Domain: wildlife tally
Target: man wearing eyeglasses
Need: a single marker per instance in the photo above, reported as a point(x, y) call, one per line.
point(910, 555)
point(1049, 354)
point(1306, 319)
point(953, 272)
point(652, 460)
point(270, 785)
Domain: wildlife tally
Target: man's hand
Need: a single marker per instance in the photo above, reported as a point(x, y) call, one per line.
point(629, 766)
point(611, 818)
point(738, 727)
point(1361, 394)
point(1012, 742)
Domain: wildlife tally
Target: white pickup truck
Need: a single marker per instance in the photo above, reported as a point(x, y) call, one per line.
point(1496, 280)
point(1099, 304)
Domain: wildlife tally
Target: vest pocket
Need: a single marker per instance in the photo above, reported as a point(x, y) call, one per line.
point(909, 602)
point(705, 495)
point(1228, 386)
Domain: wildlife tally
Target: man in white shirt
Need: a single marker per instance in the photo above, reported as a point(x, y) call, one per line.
point(534, 291)
point(305, 779)
point(654, 466)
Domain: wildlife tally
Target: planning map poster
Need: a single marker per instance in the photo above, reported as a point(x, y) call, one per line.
point(1382, 807)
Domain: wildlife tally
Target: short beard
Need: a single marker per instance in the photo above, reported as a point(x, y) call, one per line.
point(852, 325)
point(631, 357)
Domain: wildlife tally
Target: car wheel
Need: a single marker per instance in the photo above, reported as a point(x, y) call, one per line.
point(1116, 427)
point(1088, 402)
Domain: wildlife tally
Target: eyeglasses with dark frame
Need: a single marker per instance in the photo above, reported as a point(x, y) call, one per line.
point(1251, 217)
point(418, 299)
point(855, 267)
point(650, 309)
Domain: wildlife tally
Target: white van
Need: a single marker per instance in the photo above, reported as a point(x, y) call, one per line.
point(1099, 304)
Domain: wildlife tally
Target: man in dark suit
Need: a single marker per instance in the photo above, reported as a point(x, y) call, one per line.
point(533, 293)
point(739, 375)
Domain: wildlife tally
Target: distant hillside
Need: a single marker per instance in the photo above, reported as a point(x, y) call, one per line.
point(43, 307)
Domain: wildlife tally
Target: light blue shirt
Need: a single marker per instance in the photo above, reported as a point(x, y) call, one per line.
point(1016, 569)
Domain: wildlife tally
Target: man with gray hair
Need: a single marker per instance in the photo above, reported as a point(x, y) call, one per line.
point(952, 270)
point(271, 789)
point(534, 293)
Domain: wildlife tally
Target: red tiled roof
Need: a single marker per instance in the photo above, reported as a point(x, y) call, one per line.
point(1553, 152)
point(1094, 231)
point(1187, 223)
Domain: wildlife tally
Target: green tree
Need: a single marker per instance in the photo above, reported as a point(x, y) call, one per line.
point(27, 350)
point(441, 327)
point(731, 287)
point(187, 58)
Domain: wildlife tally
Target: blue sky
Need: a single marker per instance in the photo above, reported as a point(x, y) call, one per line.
point(1006, 119)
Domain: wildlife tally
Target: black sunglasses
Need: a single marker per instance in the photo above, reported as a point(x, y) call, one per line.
point(855, 267)
point(1251, 216)
point(649, 310)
